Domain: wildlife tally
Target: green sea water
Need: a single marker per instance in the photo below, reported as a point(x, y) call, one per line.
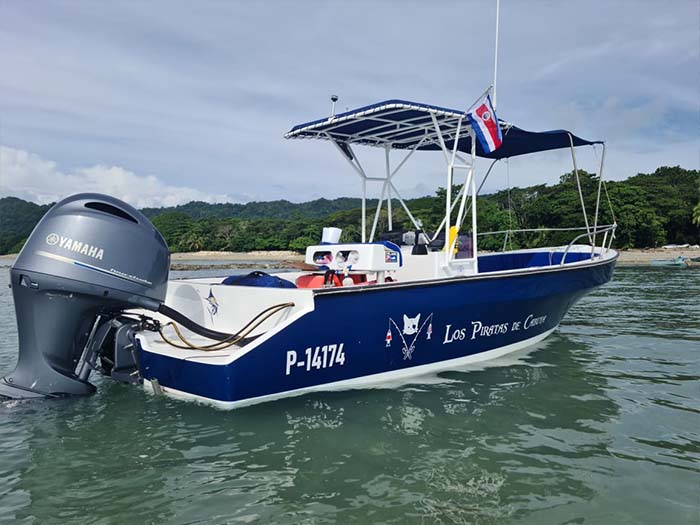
point(598, 424)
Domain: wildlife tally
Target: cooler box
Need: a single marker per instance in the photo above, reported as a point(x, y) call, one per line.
point(370, 257)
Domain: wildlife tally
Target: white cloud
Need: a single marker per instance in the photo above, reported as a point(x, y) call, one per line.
point(29, 176)
point(201, 99)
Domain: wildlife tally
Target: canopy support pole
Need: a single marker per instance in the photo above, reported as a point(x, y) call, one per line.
point(387, 149)
point(448, 187)
point(408, 212)
point(467, 181)
point(488, 172)
point(438, 132)
point(462, 205)
point(580, 193)
point(469, 185)
point(470, 173)
point(364, 210)
point(408, 156)
point(459, 194)
point(355, 163)
point(597, 201)
point(471, 181)
point(481, 184)
point(387, 188)
point(454, 205)
point(376, 213)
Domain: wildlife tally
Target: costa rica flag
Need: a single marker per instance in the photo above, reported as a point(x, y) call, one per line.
point(485, 124)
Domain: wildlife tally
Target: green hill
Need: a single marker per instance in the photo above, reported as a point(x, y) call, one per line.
point(651, 210)
point(280, 209)
point(17, 220)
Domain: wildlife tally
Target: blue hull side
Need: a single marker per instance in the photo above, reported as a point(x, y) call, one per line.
point(368, 331)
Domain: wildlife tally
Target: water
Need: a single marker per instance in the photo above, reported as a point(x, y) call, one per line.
point(599, 424)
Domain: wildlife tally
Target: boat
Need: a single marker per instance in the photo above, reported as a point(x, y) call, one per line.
point(680, 262)
point(91, 285)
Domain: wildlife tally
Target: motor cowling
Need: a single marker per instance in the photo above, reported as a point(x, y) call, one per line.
point(89, 258)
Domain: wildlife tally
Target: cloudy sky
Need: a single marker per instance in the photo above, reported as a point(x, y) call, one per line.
point(160, 103)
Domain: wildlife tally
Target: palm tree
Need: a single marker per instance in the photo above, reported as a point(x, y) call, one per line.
point(696, 214)
point(194, 241)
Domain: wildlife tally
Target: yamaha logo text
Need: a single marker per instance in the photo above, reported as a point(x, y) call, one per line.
point(83, 248)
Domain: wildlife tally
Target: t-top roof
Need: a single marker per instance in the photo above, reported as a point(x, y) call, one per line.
point(404, 125)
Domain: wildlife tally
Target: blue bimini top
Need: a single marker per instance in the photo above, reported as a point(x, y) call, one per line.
point(401, 124)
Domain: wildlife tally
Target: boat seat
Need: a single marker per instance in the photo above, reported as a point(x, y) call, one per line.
point(317, 280)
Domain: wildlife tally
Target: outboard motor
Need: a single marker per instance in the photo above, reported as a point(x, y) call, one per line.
point(89, 258)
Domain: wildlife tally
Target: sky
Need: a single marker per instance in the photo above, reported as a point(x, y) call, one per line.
point(160, 103)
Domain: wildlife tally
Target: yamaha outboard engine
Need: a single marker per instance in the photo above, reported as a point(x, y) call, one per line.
point(90, 258)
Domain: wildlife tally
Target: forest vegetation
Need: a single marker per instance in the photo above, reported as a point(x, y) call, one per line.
point(651, 209)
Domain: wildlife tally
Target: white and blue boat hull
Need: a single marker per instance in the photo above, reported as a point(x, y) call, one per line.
point(359, 336)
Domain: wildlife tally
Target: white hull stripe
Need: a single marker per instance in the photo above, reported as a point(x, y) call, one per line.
point(373, 380)
point(112, 273)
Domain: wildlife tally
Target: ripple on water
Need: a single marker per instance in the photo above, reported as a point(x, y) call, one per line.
point(599, 423)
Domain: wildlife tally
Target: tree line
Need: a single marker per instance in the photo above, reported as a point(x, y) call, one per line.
point(650, 209)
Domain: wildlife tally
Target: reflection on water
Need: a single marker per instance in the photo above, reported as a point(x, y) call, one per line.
point(598, 424)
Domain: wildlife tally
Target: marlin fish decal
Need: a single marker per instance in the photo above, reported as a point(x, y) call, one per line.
point(213, 305)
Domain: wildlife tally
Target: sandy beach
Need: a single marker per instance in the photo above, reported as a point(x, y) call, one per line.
point(249, 259)
point(627, 257)
point(642, 257)
point(238, 256)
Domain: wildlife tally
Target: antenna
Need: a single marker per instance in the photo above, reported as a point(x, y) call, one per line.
point(334, 99)
point(495, 56)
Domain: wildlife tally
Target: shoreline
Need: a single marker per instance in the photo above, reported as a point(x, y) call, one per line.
point(273, 258)
point(627, 257)
point(268, 255)
point(638, 257)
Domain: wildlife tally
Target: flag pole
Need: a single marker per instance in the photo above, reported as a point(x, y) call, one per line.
point(495, 56)
point(480, 98)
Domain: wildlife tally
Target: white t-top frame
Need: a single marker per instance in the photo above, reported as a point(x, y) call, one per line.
point(442, 128)
point(431, 128)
